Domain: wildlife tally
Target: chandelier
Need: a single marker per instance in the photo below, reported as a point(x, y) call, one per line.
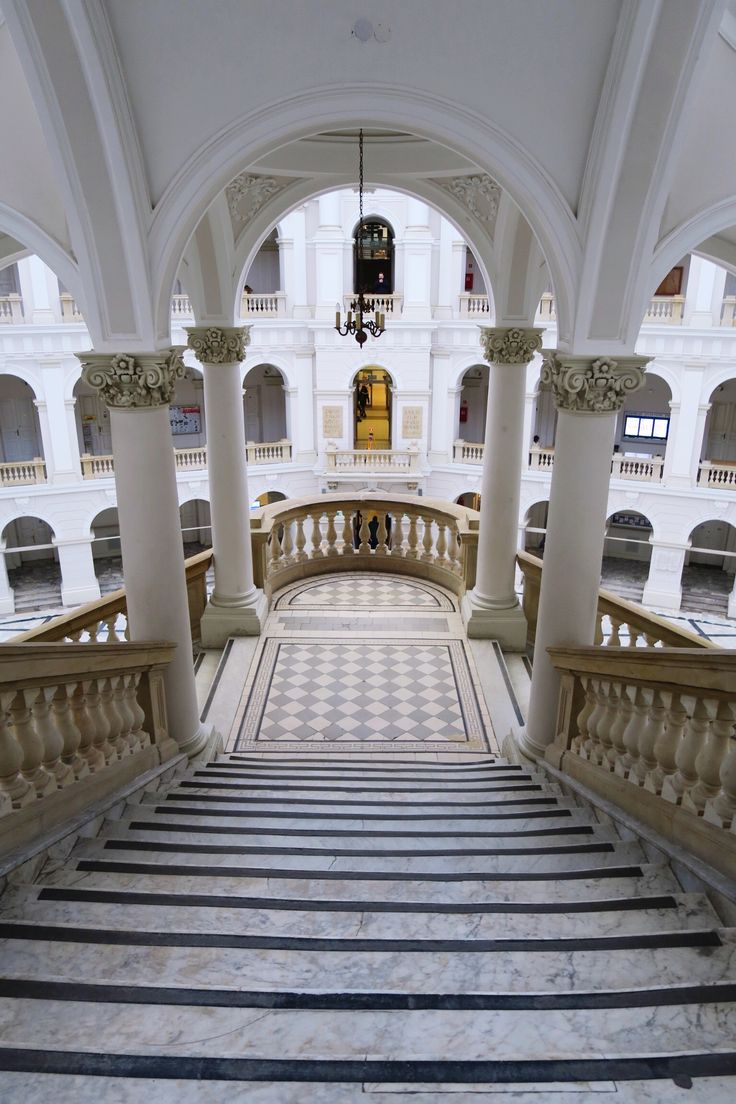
point(358, 320)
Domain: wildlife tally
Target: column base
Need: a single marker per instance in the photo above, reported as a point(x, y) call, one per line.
point(527, 748)
point(7, 602)
point(79, 596)
point(507, 626)
point(221, 622)
point(198, 741)
point(662, 599)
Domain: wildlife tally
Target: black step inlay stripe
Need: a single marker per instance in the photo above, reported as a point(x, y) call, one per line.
point(400, 806)
point(110, 866)
point(363, 1002)
point(181, 1067)
point(120, 938)
point(294, 775)
point(335, 790)
point(295, 904)
point(352, 852)
point(190, 810)
point(357, 833)
point(349, 786)
point(357, 768)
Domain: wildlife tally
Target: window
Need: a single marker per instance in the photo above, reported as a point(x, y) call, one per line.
point(647, 427)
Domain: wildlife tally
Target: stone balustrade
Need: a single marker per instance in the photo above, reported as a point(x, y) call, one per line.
point(655, 730)
point(617, 622)
point(181, 308)
point(191, 459)
point(270, 452)
point(11, 309)
point(467, 452)
point(76, 723)
point(473, 306)
point(547, 309)
point(541, 459)
point(16, 473)
point(97, 467)
point(427, 538)
point(374, 460)
point(666, 309)
point(721, 474)
point(70, 312)
point(106, 621)
point(270, 304)
point(647, 469)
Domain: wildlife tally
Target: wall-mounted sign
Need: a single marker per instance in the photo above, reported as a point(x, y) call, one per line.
point(185, 419)
point(332, 421)
point(411, 422)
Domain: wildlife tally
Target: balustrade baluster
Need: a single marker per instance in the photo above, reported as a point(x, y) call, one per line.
point(126, 716)
point(614, 640)
point(300, 541)
point(427, 538)
point(710, 758)
point(632, 732)
point(316, 552)
point(413, 537)
point(107, 696)
point(138, 734)
point(633, 635)
point(617, 750)
point(31, 742)
point(126, 631)
point(650, 734)
point(18, 790)
point(604, 723)
point(68, 730)
point(111, 625)
point(442, 543)
point(590, 749)
point(397, 534)
point(365, 533)
point(348, 548)
point(582, 739)
point(453, 547)
point(721, 810)
point(686, 776)
point(598, 633)
point(382, 534)
point(88, 748)
point(667, 743)
point(275, 547)
point(51, 738)
point(331, 533)
point(287, 543)
point(100, 721)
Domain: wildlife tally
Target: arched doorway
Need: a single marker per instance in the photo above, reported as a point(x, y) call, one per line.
point(93, 421)
point(372, 409)
point(471, 499)
point(471, 425)
point(719, 437)
point(268, 497)
point(373, 257)
point(709, 570)
point(196, 525)
point(643, 426)
point(106, 555)
point(627, 553)
point(33, 570)
point(264, 405)
point(20, 431)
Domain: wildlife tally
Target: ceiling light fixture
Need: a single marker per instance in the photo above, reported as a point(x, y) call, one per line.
point(357, 321)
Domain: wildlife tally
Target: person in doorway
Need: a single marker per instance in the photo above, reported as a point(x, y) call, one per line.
point(363, 401)
point(380, 287)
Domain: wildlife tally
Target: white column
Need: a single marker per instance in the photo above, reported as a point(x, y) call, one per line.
point(703, 284)
point(687, 424)
point(7, 600)
point(664, 584)
point(447, 290)
point(58, 428)
point(237, 606)
point(40, 291)
point(302, 406)
point(78, 580)
point(492, 609)
point(138, 390)
point(589, 394)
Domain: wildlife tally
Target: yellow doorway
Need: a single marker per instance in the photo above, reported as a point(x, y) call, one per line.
point(372, 409)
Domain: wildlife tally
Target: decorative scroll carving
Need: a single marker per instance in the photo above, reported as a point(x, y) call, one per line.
point(479, 193)
point(126, 381)
point(509, 345)
point(585, 386)
point(247, 193)
point(219, 344)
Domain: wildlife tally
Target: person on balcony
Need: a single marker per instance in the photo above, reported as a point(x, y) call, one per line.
point(363, 401)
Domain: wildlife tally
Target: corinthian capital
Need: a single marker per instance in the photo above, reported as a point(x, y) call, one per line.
point(509, 345)
point(219, 344)
point(586, 386)
point(128, 381)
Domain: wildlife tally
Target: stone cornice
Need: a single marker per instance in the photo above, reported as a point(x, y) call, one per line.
point(510, 344)
point(584, 385)
point(130, 382)
point(219, 344)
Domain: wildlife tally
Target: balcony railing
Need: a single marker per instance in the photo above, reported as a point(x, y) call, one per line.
point(270, 304)
point(11, 309)
point(70, 312)
point(387, 304)
point(466, 452)
point(643, 469)
point(473, 306)
point(16, 473)
point(718, 473)
point(541, 459)
point(547, 310)
point(371, 460)
point(427, 538)
point(181, 308)
point(665, 309)
point(191, 459)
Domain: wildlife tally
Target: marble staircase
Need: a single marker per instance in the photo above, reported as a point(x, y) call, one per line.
point(328, 928)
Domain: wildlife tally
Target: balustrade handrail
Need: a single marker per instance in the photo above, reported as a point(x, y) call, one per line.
point(643, 628)
point(104, 612)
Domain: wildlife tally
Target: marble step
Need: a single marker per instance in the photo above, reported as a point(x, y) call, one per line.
point(355, 798)
point(170, 1088)
point(508, 838)
point(342, 920)
point(334, 810)
point(373, 776)
point(638, 880)
point(293, 1036)
point(211, 777)
point(352, 765)
point(334, 756)
point(414, 862)
point(250, 822)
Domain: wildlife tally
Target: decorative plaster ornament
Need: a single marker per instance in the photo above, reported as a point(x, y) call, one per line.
point(479, 193)
point(126, 381)
point(510, 345)
point(247, 193)
point(584, 386)
point(219, 344)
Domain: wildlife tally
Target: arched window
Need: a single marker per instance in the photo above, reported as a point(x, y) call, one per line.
point(373, 253)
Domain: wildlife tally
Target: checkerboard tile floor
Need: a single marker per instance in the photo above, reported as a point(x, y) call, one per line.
point(361, 591)
point(363, 692)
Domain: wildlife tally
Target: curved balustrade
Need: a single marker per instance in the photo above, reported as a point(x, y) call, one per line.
point(362, 460)
point(655, 730)
point(378, 532)
point(187, 459)
point(270, 452)
point(618, 621)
